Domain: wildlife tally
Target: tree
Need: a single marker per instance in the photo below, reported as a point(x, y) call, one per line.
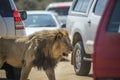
point(34, 4)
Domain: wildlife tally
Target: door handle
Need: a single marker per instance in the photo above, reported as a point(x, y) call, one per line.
point(89, 21)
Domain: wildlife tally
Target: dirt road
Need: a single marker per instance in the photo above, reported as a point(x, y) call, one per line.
point(63, 71)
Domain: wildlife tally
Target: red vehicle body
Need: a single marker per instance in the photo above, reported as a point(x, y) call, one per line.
point(106, 57)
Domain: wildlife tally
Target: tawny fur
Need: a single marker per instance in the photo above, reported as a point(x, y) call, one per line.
point(42, 50)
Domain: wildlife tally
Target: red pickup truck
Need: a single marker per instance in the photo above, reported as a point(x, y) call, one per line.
point(106, 57)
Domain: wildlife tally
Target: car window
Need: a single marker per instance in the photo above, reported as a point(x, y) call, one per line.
point(60, 10)
point(99, 7)
point(39, 20)
point(114, 23)
point(5, 8)
point(81, 6)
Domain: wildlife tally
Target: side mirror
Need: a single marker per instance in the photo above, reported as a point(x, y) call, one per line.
point(23, 15)
point(63, 26)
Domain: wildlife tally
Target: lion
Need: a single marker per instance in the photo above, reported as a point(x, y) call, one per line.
point(43, 50)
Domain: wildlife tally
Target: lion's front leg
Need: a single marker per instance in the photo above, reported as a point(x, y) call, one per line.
point(25, 72)
point(50, 73)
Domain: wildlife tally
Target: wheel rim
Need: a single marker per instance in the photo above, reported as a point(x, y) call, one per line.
point(78, 59)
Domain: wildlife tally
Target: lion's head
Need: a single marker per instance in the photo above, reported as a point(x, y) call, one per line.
point(62, 44)
point(50, 46)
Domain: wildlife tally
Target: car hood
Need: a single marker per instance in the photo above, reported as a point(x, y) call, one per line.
point(31, 30)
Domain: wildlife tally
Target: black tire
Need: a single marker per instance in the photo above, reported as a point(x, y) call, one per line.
point(11, 72)
point(81, 67)
point(107, 79)
point(17, 73)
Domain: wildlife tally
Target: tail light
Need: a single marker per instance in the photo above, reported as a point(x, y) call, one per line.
point(18, 21)
point(62, 6)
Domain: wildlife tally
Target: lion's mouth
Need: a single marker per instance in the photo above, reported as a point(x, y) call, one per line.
point(66, 53)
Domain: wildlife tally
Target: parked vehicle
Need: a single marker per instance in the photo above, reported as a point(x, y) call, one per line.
point(40, 20)
point(11, 24)
point(61, 8)
point(106, 57)
point(82, 22)
point(10, 19)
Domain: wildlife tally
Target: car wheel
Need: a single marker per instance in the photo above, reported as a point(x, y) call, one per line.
point(17, 73)
point(81, 67)
point(12, 73)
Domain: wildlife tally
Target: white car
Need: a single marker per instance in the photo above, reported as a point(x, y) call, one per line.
point(40, 20)
point(61, 8)
point(82, 23)
point(10, 20)
point(11, 24)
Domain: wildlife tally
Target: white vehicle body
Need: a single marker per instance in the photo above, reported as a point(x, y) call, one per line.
point(34, 21)
point(8, 15)
point(82, 23)
point(61, 8)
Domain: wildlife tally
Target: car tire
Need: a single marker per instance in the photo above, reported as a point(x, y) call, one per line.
point(11, 72)
point(107, 78)
point(81, 66)
point(17, 73)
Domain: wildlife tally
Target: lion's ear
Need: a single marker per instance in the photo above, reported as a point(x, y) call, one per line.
point(58, 36)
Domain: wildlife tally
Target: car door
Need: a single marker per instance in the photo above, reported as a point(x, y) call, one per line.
point(106, 57)
point(6, 18)
point(93, 21)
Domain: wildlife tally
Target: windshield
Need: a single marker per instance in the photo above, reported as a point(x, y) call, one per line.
point(60, 10)
point(39, 20)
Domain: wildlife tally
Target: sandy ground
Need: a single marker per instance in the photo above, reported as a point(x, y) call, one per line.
point(63, 71)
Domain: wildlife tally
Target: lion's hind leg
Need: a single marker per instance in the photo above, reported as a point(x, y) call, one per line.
point(50, 73)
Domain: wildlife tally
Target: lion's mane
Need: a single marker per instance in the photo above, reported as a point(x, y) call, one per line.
point(43, 54)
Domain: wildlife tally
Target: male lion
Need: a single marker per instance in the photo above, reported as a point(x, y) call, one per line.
point(42, 50)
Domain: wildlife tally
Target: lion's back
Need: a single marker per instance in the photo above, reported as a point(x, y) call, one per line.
point(10, 46)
